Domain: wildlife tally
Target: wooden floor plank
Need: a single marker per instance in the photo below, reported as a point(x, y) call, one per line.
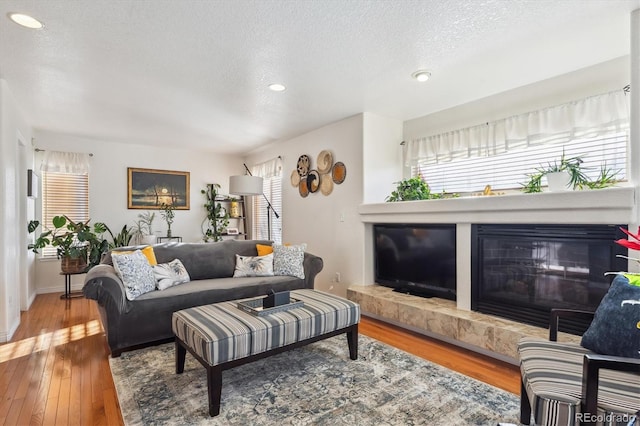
point(58, 363)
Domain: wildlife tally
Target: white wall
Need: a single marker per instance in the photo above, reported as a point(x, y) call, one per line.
point(597, 79)
point(108, 188)
point(381, 156)
point(330, 225)
point(15, 157)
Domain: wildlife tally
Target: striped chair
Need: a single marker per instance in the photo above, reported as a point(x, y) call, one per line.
point(566, 384)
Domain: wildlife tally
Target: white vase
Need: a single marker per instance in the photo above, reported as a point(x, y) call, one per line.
point(149, 239)
point(559, 181)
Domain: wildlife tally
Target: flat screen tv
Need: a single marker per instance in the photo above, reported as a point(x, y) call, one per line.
point(417, 259)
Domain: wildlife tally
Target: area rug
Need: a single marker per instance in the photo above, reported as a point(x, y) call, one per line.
point(314, 385)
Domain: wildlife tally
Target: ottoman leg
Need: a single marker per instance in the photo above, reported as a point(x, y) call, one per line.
point(214, 387)
point(352, 340)
point(181, 354)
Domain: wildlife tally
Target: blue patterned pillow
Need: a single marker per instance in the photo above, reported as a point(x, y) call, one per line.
point(170, 274)
point(254, 266)
point(289, 260)
point(615, 329)
point(135, 272)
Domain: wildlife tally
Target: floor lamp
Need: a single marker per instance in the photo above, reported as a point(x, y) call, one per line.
point(251, 185)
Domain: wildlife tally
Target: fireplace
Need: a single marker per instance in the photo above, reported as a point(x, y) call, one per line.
point(521, 272)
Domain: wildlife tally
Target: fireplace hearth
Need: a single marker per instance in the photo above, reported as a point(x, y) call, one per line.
point(521, 272)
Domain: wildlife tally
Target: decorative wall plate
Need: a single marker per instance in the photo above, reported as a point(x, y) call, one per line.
point(339, 172)
point(303, 188)
point(304, 163)
point(313, 181)
point(295, 179)
point(325, 161)
point(326, 184)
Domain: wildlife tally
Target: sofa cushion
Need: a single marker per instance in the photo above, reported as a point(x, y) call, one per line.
point(288, 260)
point(135, 272)
point(264, 249)
point(170, 274)
point(615, 329)
point(254, 266)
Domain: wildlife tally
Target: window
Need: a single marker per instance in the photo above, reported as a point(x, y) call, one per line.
point(272, 189)
point(503, 152)
point(65, 189)
point(509, 170)
point(264, 218)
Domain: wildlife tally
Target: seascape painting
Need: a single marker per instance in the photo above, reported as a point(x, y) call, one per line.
point(150, 189)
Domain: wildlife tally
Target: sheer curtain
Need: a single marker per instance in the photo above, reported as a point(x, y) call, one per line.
point(271, 172)
point(587, 118)
point(65, 162)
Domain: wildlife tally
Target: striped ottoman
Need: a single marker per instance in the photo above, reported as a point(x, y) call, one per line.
point(221, 336)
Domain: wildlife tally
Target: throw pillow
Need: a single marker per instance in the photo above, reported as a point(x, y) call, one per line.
point(615, 329)
point(147, 251)
point(135, 272)
point(254, 266)
point(264, 249)
point(170, 274)
point(289, 260)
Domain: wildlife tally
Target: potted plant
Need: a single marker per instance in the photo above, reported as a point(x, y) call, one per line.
point(168, 214)
point(567, 174)
point(217, 218)
point(415, 188)
point(78, 245)
point(142, 230)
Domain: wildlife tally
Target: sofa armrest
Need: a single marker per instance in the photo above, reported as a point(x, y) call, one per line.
point(591, 366)
point(556, 314)
point(312, 266)
point(103, 285)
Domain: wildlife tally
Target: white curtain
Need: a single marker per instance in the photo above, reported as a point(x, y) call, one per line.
point(268, 169)
point(65, 162)
point(590, 117)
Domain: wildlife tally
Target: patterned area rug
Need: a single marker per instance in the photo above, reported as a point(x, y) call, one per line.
point(317, 384)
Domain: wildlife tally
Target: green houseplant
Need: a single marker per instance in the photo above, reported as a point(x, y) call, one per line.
point(168, 214)
point(217, 218)
point(142, 229)
point(576, 177)
point(415, 188)
point(77, 244)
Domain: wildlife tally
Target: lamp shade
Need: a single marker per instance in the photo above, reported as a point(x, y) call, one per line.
point(245, 185)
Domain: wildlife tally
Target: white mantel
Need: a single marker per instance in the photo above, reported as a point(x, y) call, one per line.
point(604, 206)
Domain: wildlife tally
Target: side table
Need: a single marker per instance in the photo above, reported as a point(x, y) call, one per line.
point(68, 294)
point(169, 239)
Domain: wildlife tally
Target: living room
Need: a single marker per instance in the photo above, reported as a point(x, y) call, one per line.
point(335, 227)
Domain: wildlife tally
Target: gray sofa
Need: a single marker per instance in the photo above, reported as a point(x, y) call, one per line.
point(131, 324)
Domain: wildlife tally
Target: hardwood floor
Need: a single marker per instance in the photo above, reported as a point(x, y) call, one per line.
point(55, 370)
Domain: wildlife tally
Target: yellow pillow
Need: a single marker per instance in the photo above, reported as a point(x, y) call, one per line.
point(264, 249)
point(147, 251)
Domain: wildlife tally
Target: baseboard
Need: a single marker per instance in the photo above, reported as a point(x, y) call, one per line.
point(5, 337)
point(58, 289)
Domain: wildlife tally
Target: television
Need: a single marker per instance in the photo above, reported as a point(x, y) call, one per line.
point(418, 259)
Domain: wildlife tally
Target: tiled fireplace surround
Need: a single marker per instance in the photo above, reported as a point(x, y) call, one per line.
point(454, 322)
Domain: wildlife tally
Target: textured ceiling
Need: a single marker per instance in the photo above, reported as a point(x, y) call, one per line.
point(194, 73)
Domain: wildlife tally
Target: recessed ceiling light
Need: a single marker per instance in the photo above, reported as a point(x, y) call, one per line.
point(25, 20)
point(277, 87)
point(421, 75)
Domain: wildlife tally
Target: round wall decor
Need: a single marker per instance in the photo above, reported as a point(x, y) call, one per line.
point(325, 161)
point(339, 172)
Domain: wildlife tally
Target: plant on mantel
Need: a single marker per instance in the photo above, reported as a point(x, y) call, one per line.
point(168, 214)
point(415, 188)
point(577, 177)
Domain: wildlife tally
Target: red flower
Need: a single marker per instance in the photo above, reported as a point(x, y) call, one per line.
point(633, 245)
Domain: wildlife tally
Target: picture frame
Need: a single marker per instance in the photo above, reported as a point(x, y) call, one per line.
point(233, 231)
point(150, 188)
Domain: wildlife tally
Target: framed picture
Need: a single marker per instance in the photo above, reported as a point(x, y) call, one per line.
point(149, 189)
point(232, 231)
